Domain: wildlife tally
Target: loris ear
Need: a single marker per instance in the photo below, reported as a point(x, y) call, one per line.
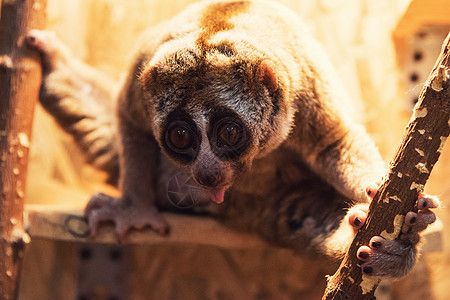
point(267, 74)
point(147, 77)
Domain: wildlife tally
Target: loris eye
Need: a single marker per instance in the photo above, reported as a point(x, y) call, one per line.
point(180, 137)
point(229, 134)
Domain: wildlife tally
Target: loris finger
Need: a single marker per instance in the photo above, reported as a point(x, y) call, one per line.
point(417, 222)
point(357, 216)
point(427, 201)
point(372, 189)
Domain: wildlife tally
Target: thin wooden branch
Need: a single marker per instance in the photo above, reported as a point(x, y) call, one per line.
point(410, 168)
point(20, 76)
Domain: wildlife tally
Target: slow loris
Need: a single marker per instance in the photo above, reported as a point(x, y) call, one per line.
point(235, 99)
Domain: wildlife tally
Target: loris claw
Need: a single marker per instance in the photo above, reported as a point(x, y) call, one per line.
point(238, 100)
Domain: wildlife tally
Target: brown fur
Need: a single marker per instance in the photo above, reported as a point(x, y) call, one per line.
point(215, 18)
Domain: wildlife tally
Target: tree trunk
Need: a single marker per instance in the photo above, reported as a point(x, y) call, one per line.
point(20, 77)
point(409, 170)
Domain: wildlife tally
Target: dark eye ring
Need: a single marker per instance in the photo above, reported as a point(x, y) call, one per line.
point(179, 136)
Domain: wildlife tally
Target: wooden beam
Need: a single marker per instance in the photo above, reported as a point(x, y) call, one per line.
point(20, 77)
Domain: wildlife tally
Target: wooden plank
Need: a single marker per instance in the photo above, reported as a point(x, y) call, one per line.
point(66, 223)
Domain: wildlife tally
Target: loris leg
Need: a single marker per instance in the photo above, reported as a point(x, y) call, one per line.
point(139, 170)
point(80, 98)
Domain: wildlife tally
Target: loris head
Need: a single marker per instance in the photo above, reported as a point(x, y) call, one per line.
point(214, 112)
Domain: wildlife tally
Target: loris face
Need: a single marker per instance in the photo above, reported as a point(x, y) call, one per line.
point(213, 112)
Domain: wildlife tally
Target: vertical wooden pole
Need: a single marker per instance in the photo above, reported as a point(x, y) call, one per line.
point(20, 77)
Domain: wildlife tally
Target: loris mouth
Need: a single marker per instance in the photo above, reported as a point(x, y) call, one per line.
point(217, 194)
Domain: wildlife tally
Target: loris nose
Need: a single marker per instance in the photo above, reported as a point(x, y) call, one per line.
point(208, 179)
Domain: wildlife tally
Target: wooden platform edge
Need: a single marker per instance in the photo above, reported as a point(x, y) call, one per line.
point(65, 223)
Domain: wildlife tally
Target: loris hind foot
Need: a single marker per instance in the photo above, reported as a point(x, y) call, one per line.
point(394, 258)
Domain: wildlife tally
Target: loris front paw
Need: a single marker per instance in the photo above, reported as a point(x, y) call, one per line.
point(125, 215)
point(48, 44)
point(384, 257)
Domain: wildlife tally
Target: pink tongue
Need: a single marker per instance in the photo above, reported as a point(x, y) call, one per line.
point(217, 194)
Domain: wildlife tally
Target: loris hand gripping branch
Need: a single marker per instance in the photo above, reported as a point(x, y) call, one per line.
point(235, 98)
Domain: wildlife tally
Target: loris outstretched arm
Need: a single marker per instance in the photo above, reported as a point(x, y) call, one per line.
point(81, 99)
point(236, 98)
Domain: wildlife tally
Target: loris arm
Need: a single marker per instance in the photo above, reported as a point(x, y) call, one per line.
point(137, 206)
point(337, 149)
point(344, 156)
point(80, 98)
point(139, 156)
